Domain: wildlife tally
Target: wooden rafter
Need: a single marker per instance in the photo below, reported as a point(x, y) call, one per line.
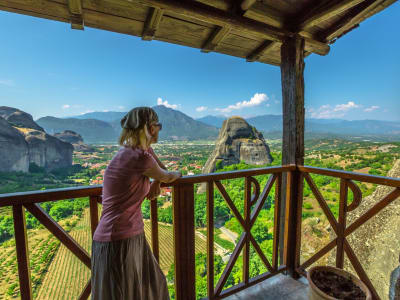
point(215, 38)
point(222, 18)
point(351, 18)
point(75, 9)
point(152, 22)
point(326, 11)
point(261, 50)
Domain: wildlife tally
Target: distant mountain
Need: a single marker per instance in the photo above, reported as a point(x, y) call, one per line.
point(108, 116)
point(215, 121)
point(273, 123)
point(176, 126)
point(92, 131)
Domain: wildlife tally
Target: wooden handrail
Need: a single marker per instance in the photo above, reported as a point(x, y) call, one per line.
point(382, 180)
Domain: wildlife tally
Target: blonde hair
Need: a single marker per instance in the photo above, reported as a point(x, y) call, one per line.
point(140, 116)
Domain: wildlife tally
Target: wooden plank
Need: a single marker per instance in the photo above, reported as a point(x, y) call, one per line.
point(215, 38)
point(86, 291)
point(21, 243)
point(33, 14)
point(59, 233)
point(359, 269)
point(75, 9)
point(230, 203)
point(94, 213)
point(229, 265)
point(119, 8)
point(246, 4)
point(183, 218)
point(394, 182)
point(246, 248)
point(261, 199)
point(23, 198)
point(260, 254)
point(152, 23)
point(154, 229)
point(351, 17)
point(326, 11)
point(277, 220)
point(266, 14)
point(260, 51)
point(341, 224)
point(210, 240)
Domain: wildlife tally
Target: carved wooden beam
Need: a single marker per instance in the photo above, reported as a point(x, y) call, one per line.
point(75, 10)
point(260, 51)
point(214, 39)
point(218, 17)
point(246, 4)
point(350, 19)
point(326, 11)
point(152, 22)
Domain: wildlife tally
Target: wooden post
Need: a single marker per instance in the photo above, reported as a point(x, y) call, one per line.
point(292, 69)
point(246, 248)
point(183, 209)
point(154, 229)
point(21, 242)
point(94, 212)
point(341, 223)
point(210, 240)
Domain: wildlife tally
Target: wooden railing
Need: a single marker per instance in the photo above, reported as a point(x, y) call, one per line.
point(184, 234)
point(341, 229)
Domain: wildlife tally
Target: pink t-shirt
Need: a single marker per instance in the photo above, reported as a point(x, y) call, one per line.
point(124, 189)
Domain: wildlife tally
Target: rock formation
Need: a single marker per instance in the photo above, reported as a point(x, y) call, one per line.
point(75, 139)
point(23, 142)
point(376, 243)
point(18, 118)
point(14, 151)
point(238, 141)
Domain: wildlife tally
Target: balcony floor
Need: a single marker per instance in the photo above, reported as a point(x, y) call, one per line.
point(277, 287)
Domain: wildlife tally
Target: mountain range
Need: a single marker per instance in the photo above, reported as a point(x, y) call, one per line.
point(104, 127)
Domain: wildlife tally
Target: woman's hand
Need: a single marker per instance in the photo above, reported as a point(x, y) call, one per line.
point(161, 175)
point(154, 191)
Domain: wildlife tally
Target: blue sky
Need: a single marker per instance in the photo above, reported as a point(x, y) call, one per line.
point(46, 68)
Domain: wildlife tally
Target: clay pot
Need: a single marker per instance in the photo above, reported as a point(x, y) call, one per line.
point(316, 294)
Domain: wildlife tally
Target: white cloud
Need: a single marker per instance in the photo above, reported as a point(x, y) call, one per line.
point(166, 104)
point(105, 110)
point(256, 100)
point(121, 107)
point(346, 107)
point(201, 108)
point(7, 82)
point(327, 112)
point(371, 108)
point(66, 106)
point(86, 112)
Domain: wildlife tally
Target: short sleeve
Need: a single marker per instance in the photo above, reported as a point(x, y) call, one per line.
point(148, 161)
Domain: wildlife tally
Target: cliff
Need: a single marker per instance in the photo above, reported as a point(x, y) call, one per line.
point(23, 142)
point(238, 141)
point(75, 139)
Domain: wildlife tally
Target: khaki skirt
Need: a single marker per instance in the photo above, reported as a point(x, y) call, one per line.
point(126, 269)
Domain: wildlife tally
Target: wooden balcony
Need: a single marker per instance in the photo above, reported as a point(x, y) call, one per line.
point(286, 245)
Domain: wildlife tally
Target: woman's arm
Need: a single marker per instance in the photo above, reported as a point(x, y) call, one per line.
point(159, 162)
point(162, 175)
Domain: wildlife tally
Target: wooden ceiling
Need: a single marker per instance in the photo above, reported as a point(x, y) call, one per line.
point(250, 29)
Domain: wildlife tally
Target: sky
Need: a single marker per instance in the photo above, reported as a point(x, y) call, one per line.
point(46, 68)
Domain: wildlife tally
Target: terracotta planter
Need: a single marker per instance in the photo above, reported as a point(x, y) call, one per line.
point(316, 294)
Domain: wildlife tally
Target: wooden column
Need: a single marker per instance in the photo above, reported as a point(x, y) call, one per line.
point(292, 69)
point(21, 242)
point(183, 209)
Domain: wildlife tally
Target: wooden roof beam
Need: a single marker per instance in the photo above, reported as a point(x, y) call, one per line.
point(152, 22)
point(350, 19)
point(326, 11)
point(260, 51)
point(211, 15)
point(214, 39)
point(75, 10)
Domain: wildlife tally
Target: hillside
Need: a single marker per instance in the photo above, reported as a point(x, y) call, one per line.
point(92, 131)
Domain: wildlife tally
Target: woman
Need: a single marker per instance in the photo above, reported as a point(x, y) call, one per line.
point(123, 266)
